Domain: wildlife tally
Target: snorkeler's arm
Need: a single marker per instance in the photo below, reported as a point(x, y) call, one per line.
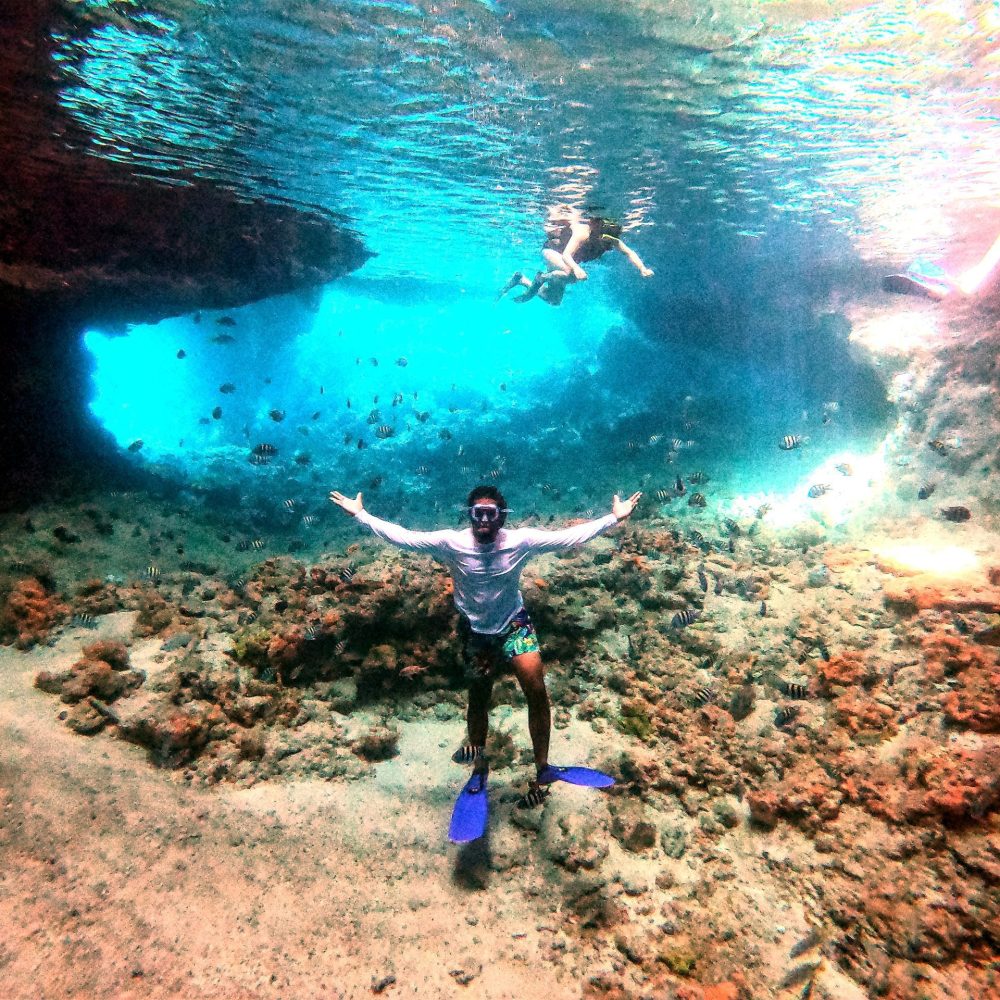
point(433, 543)
point(537, 540)
point(634, 259)
point(578, 236)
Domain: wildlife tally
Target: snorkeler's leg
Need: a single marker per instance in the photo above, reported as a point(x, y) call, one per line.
point(530, 673)
point(480, 690)
point(515, 279)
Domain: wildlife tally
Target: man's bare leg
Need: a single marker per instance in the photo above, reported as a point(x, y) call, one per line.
point(530, 673)
point(477, 716)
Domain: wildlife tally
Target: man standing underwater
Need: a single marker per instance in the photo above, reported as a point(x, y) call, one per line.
point(486, 561)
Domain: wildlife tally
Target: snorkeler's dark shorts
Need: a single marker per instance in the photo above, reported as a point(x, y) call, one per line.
point(517, 637)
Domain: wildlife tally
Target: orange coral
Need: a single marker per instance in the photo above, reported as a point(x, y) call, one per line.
point(29, 613)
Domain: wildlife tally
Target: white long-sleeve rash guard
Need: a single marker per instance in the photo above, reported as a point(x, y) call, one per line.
point(487, 577)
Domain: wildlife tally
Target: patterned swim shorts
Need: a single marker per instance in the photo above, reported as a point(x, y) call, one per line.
point(479, 649)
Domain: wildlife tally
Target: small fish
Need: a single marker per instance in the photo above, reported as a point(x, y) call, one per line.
point(818, 490)
point(340, 647)
point(422, 470)
point(926, 491)
point(763, 510)
point(348, 403)
point(697, 500)
point(791, 441)
point(373, 417)
point(181, 354)
point(257, 543)
point(495, 473)
point(793, 689)
point(785, 714)
point(153, 572)
point(226, 321)
point(632, 445)
point(697, 478)
point(663, 495)
point(373, 362)
point(717, 589)
point(702, 696)
point(289, 504)
point(136, 445)
point(303, 458)
point(653, 439)
point(679, 487)
point(260, 459)
point(384, 431)
point(376, 481)
point(361, 444)
point(313, 632)
point(731, 526)
point(237, 584)
point(397, 398)
point(685, 618)
point(468, 754)
point(276, 415)
point(444, 434)
point(246, 617)
point(83, 620)
point(697, 537)
point(938, 446)
point(224, 338)
point(321, 390)
point(762, 610)
point(824, 652)
point(347, 574)
point(402, 362)
point(832, 407)
point(676, 444)
point(227, 387)
point(423, 416)
point(204, 421)
point(308, 520)
point(217, 413)
point(702, 579)
point(956, 514)
point(503, 386)
point(845, 469)
point(264, 448)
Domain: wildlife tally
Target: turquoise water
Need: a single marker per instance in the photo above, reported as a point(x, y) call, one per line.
point(767, 160)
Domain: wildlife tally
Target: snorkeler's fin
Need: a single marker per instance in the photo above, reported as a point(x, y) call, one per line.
point(471, 812)
point(515, 280)
point(533, 289)
point(585, 776)
point(922, 277)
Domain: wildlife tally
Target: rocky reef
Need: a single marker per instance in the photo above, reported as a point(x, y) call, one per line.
point(842, 745)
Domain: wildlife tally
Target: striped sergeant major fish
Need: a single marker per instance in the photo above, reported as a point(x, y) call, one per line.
point(792, 441)
point(686, 617)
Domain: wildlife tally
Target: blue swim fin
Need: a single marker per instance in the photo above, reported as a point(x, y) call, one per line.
point(586, 776)
point(471, 812)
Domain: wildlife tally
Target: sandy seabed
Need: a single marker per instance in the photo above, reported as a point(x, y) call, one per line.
point(119, 880)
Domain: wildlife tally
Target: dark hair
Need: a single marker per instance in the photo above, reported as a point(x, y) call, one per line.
point(486, 492)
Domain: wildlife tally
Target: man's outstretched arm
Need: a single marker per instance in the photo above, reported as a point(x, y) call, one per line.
point(431, 542)
point(568, 538)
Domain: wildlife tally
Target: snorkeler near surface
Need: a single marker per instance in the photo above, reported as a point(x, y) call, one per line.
point(930, 280)
point(486, 561)
point(571, 239)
